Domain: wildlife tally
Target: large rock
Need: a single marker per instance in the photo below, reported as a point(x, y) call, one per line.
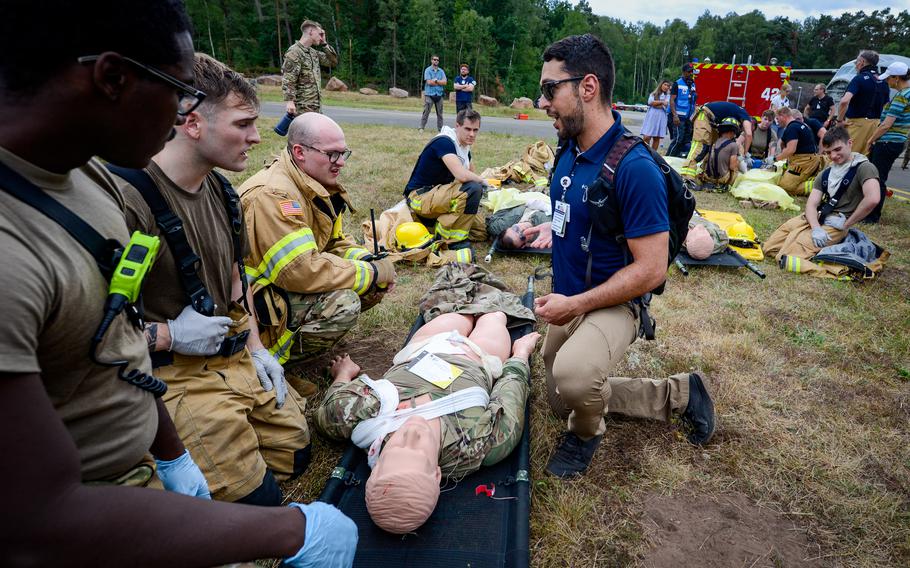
point(368, 91)
point(522, 102)
point(336, 84)
point(398, 93)
point(488, 101)
point(271, 80)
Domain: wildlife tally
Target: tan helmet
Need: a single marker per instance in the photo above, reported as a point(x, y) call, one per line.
point(412, 235)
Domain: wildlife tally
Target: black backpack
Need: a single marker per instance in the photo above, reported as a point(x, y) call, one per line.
point(607, 220)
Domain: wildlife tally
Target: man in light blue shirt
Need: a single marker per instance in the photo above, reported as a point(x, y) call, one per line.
point(433, 78)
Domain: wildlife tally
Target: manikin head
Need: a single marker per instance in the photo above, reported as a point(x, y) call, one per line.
point(316, 144)
point(467, 125)
point(514, 237)
point(838, 146)
point(403, 488)
point(576, 81)
point(221, 131)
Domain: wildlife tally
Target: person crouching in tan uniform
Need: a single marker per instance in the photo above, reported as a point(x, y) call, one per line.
point(310, 280)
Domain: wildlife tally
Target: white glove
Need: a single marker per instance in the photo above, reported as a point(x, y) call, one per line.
point(195, 334)
point(769, 161)
point(836, 221)
point(182, 475)
point(820, 237)
point(271, 374)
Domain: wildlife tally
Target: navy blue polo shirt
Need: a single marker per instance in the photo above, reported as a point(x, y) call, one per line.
point(430, 170)
point(723, 109)
point(805, 139)
point(814, 125)
point(642, 193)
point(464, 96)
point(867, 95)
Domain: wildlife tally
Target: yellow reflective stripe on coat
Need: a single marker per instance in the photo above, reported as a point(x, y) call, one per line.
point(363, 276)
point(451, 234)
point(281, 254)
point(356, 253)
point(282, 348)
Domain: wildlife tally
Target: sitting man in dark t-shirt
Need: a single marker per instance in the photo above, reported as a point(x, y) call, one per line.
point(821, 107)
point(798, 148)
point(816, 126)
point(443, 186)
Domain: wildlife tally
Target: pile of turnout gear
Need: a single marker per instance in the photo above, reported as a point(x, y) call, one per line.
point(532, 170)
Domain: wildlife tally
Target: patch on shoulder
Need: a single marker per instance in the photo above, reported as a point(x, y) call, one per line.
point(290, 208)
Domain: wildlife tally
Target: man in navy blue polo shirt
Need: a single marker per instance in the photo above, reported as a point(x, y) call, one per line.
point(798, 147)
point(591, 324)
point(464, 89)
point(861, 106)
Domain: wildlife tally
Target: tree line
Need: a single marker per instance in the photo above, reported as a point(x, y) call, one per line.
point(384, 43)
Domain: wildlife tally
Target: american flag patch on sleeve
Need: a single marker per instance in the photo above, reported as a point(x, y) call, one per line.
point(290, 208)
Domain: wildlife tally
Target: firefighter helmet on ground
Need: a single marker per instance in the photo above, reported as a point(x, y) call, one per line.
point(412, 235)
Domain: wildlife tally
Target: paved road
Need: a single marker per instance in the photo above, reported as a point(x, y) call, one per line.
point(899, 179)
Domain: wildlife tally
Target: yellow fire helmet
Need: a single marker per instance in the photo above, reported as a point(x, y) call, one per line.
point(741, 232)
point(412, 235)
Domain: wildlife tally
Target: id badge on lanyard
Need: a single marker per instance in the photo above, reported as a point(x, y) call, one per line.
point(562, 210)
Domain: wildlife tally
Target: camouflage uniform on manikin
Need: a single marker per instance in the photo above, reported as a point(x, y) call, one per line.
point(310, 280)
point(470, 438)
point(301, 76)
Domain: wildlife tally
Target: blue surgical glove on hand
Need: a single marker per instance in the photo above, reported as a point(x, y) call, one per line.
point(820, 237)
point(195, 334)
point(271, 374)
point(836, 221)
point(330, 540)
point(182, 475)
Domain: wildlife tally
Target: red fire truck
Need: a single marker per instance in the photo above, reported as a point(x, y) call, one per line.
point(749, 85)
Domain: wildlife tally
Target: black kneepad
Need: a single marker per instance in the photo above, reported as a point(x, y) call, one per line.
point(266, 495)
point(475, 193)
point(301, 460)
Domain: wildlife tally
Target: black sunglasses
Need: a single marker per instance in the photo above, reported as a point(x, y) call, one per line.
point(333, 155)
point(548, 88)
point(188, 98)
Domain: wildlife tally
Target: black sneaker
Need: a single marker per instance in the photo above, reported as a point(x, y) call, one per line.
point(699, 414)
point(572, 455)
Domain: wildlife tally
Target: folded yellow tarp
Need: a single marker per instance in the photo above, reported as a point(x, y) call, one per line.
point(724, 219)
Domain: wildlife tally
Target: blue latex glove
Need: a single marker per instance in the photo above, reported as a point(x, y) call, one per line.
point(820, 237)
point(330, 540)
point(182, 475)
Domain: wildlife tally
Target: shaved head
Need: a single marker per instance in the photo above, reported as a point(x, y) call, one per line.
point(311, 128)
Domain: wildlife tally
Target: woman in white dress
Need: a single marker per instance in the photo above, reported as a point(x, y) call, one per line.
point(654, 126)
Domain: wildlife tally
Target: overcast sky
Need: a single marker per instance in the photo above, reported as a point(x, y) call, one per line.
point(657, 11)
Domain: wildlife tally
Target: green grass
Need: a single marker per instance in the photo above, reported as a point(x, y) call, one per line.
point(810, 379)
point(413, 103)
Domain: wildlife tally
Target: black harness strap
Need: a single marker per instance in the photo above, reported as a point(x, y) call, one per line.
point(104, 251)
point(829, 202)
point(713, 161)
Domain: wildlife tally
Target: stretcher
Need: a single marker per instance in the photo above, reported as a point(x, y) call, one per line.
point(729, 257)
point(497, 247)
point(481, 521)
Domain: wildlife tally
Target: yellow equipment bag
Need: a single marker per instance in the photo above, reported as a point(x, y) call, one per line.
point(742, 235)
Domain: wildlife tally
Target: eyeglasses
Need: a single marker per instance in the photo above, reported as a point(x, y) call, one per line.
point(188, 98)
point(518, 230)
point(548, 88)
point(333, 155)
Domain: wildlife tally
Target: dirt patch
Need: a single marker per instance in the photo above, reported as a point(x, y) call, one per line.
point(722, 530)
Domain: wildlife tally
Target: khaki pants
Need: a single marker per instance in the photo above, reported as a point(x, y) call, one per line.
point(793, 239)
point(860, 130)
point(230, 425)
point(448, 205)
point(704, 135)
point(579, 357)
point(800, 173)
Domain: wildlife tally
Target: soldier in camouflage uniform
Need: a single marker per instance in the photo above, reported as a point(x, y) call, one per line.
point(471, 437)
point(301, 74)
